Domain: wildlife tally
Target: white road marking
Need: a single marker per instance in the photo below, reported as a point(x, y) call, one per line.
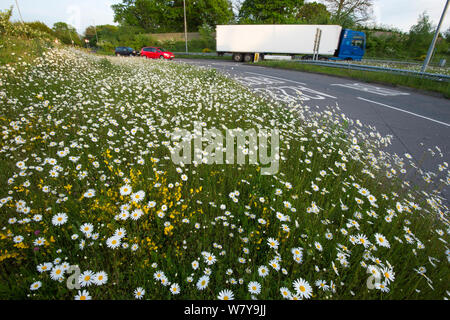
point(372, 89)
point(411, 113)
point(291, 94)
point(265, 75)
point(258, 80)
point(302, 87)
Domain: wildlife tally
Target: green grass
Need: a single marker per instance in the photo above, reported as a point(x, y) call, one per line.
point(114, 116)
point(17, 51)
point(368, 76)
point(194, 56)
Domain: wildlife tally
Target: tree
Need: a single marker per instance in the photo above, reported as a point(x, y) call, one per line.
point(421, 35)
point(447, 34)
point(314, 13)
point(66, 33)
point(105, 32)
point(42, 27)
point(270, 11)
point(349, 12)
point(168, 16)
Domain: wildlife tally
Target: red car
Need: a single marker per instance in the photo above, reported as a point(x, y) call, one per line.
point(156, 53)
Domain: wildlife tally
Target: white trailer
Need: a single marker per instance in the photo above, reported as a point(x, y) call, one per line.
point(243, 41)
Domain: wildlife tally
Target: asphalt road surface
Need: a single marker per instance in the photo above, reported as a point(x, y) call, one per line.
point(416, 121)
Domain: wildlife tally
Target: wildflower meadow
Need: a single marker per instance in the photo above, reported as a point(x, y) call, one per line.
point(93, 207)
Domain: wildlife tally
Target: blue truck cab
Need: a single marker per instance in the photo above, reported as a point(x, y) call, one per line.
point(352, 45)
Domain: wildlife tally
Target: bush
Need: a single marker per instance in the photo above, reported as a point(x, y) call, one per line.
point(10, 29)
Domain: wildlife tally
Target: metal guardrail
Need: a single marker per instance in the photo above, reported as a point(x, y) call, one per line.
point(433, 76)
point(352, 66)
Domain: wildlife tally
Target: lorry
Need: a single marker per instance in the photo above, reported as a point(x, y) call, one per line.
point(318, 42)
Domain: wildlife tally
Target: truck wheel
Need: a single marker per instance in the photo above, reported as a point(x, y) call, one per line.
point(237, 57)
point(248, 57)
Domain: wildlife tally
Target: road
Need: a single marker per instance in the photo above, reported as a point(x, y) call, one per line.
point(416, 121)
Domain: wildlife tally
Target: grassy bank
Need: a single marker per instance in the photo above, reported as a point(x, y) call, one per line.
point(368, 76)
point(87, 180)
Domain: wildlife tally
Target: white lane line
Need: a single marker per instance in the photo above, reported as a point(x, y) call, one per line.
point(411, 113)
point(301, 83)
point(372, 89)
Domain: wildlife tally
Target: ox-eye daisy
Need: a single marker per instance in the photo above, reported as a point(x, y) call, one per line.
point(139, 293)
point(202, 283)
point(303, 288)
point(125, 190)
point(254, 287)
point(226, 295)
point(83, 295)
point(59, 219)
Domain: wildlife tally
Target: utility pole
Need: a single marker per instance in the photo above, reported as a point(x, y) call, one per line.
point(433, 43)
point(95, 28)
point(20, 14)
point(185, 25)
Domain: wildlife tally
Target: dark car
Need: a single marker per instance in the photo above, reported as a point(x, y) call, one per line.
point(126, 51)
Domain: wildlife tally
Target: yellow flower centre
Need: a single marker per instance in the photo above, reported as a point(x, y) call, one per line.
point(302, 289)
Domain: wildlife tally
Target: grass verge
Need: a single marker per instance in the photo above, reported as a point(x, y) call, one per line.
point(87, 179)
point(368, 76)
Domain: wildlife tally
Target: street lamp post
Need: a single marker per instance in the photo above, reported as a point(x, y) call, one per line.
point(433, 43)
point(185, 25)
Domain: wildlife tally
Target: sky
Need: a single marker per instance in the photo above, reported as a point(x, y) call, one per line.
point(400, 14)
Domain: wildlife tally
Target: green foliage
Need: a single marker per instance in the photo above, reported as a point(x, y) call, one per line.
point(40, 26)
point(349, 12)
point(421, 34)
point(18, 29)
point(394, 44)
point(314, 13)
point(270, 12)
point(168, 16)
point(66, 33)
point(207, 36)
